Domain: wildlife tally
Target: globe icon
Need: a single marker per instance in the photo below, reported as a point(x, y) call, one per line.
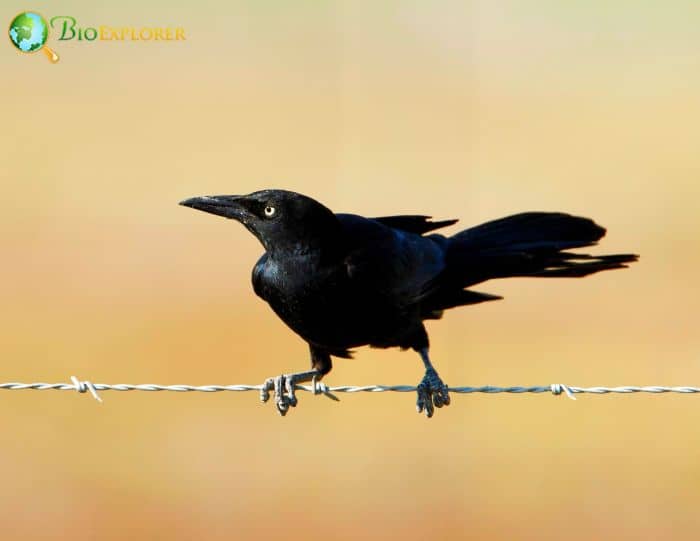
point(29, 32)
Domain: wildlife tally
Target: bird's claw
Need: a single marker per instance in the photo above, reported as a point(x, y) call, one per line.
point(284, 390)
point(432, 393)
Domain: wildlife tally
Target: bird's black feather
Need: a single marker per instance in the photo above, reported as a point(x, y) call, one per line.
point(414, 223)
point(341, 280)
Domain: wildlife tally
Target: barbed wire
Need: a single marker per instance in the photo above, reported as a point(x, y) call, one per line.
point(84, 386)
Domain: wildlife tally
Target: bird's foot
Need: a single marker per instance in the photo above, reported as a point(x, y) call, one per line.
point(432, 393)
point(284, 389)
point(284, 392)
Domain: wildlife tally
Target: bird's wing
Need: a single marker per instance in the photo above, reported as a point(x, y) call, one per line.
point(400, 266)
point(413, 223)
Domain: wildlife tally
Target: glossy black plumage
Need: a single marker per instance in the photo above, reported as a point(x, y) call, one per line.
point(341, 281)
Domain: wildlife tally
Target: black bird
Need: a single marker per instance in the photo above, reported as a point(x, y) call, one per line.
point(341, 281)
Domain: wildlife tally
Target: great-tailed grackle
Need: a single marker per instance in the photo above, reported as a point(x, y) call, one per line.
point(341, 281)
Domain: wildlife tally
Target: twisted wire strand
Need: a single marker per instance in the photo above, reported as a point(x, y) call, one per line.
point(83, 386)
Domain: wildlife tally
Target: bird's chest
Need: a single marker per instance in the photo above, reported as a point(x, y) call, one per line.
point(302, 293)
point(322, 304)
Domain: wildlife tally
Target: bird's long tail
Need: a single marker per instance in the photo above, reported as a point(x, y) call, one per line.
point(529, 244)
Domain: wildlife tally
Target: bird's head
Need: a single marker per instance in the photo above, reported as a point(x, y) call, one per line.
point(281, 220)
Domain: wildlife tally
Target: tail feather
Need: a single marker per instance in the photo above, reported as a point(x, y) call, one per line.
point(531, 230)
point(528, 244)
point(570, 265)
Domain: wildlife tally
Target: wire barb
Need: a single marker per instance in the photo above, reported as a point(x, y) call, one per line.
point(84, 386)
point(318, 387)
point(557, 389)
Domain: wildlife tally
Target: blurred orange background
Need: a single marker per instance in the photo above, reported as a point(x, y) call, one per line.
point(457, 109)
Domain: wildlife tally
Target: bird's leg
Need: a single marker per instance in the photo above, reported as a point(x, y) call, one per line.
point(432, 392)
point(284, 389)
point(284, 385)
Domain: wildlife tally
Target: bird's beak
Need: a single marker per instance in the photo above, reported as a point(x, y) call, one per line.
point(228, 206)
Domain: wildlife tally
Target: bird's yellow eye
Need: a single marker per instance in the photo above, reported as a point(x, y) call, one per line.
point(269, 211)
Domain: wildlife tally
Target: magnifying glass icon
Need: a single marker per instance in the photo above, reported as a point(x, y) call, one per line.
point(29, 32)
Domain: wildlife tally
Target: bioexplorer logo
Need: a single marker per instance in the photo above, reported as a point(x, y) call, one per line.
point(29, 33)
